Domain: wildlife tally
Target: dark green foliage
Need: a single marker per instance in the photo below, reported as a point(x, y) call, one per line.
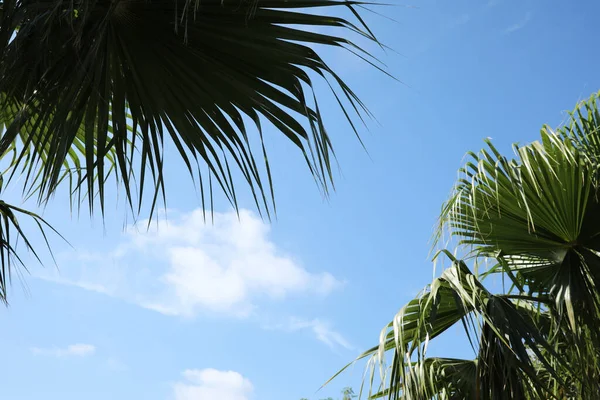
point(81, 79)
point(91, 89)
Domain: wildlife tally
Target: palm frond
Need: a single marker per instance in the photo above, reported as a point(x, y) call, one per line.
point(538, 217)
point(11, 233)
point(503, 367)
point(21, 157)
point(441, 378)
point(22, 152)
point(126, 76)
point(518, 354)
point(540, 214)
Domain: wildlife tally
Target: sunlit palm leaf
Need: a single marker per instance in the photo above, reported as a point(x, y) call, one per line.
point(511, 350)
point(442, 378)
point(22, 151)
point(433, 312)
point(540, 214)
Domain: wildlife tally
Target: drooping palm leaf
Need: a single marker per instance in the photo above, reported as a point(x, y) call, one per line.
point(538, 217)
point(511, 351)
point(11, 232)
point(422, 319)
point(441, 378)
point(91, 87)
point(22, 153)
point(198, 73)
point(540, 213)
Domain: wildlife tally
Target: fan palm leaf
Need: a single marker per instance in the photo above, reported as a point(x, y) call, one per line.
point(93, 88)
point(538, 217)
point(504, 364)
point(23, 153)
point(128, 75)
point(11, 232)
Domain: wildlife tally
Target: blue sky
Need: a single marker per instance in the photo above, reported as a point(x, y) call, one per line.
point(251, 310)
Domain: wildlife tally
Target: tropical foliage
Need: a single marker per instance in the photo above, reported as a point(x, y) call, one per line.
point(534, 220)
point(93, 89)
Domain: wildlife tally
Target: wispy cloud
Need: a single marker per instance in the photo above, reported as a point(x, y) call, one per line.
point(519, 25)
point(322, 331)
point(184, 266)
point(493, 3)
point(212, 384)
point(74, 350)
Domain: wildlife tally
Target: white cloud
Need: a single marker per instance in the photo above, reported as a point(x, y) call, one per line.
point(74, 350)
point(322, 330)
point(186, 265)
point(208, 384)
point(519, 25)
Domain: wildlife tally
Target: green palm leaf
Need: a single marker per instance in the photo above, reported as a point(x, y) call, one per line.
point(126, 76)
point(441, 378)
point(24, 153)
point(511, 353)
point(91, 89)
point(538, 217)
point(11, 232)
point(540, 214)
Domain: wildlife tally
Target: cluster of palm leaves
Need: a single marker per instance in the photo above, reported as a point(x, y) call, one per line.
point(90, 90)
point(533, 220)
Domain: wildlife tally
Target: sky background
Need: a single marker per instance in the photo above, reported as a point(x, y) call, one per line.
point(243, 310)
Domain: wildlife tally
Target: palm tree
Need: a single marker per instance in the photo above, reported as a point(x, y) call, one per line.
point(91, 89)
point(535, 221)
